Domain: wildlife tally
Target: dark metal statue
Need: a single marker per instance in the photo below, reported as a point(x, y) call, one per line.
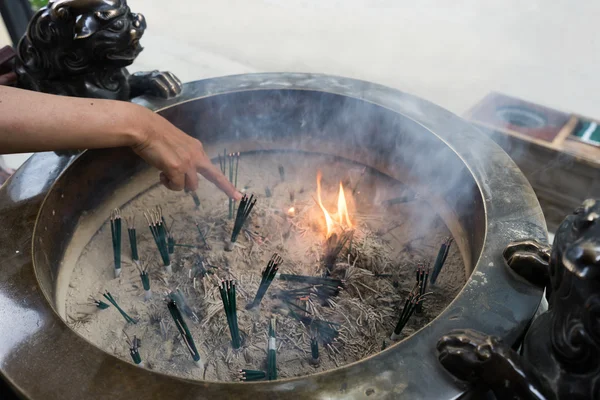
point(81, 48)
point(561, 351)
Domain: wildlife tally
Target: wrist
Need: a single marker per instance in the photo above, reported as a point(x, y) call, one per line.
point(138, 125)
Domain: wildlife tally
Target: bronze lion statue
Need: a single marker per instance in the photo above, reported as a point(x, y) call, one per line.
point(81, 48)
point(560, 356)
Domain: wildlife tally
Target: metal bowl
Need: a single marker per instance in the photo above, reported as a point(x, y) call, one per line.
point(473, 185)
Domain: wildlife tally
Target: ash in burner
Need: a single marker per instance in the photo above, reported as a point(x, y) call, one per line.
point(321, 316)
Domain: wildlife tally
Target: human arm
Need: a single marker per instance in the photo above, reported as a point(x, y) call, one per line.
point(31, 121)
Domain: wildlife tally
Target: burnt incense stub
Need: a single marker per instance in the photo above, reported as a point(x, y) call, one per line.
point(81, 48)
point(562, 348)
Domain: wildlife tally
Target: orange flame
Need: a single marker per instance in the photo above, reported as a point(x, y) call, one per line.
point(342, 217)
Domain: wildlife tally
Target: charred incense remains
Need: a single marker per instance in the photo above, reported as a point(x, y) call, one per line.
point(183, 329)
point(112, 301)
point(157, 226)
point(134, 349)
point(115, 229)
point(267, 277)
point(132, 239)
point(441, 259)
point(227, 290)
point(143, 269)
point(333, 246)
point(202, 236)
point(272, 352)
point(249, 375)
point(243, 211)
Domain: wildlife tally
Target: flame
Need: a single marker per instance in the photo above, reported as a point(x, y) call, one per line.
point(342, 217)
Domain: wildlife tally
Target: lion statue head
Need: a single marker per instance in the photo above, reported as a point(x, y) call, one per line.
point(69, 39)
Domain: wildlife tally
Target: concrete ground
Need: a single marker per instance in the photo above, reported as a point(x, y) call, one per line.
point(451, 53)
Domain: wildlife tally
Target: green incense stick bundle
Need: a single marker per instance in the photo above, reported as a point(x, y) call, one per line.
point(227, 291)
point(267, 277)
point(183, 330)
point(272, 352)
point(115, 230)
point(112, 301)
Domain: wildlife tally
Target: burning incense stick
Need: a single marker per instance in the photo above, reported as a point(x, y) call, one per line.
point(227, 290)
point(441, 259)
point(134, 349)
point(413, 299)
point(178, 297)
point(243, 211)
point(195, 198)
point(184, 331)
point(115, 229)
point(314, 351)
point(422, 277)
point(249, 375)
point(158, 229)
point(272, 352)
point(145, 280)
point(112, 301)
point(267, 277)
point(132, 239)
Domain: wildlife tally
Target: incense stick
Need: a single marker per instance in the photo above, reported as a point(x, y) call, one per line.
point(115, 229)
point(248, 375)
point(184, 331)
point(314, 351)
point(112, 301)
point(156, 224)
point(134, 349)
point(410, 304)
point(272, 352)
point(228, 294)
point(143, 269)
point(243, 211)
point(267, 277)
point(131, 232)
point(441, 259)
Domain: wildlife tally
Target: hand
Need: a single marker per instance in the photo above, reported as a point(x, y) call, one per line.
point(180, 157)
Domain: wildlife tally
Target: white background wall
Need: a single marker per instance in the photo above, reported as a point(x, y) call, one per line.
point(449, 52)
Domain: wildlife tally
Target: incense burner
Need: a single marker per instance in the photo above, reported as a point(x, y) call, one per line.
point(54, 203)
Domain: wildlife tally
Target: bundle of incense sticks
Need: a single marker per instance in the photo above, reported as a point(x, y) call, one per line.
point(112, 301)
point(272, 352)
point(157, 226)
point(134, 350)
point(267, 277)
point(184, 331)
point(250, 375)
point(143, 269)
point(243, 211)
point(227, 290)
point(132, 239)
point(422, 278)
point(413, 299)
point(115, 230)
point(314, 351)
point(441, 259)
